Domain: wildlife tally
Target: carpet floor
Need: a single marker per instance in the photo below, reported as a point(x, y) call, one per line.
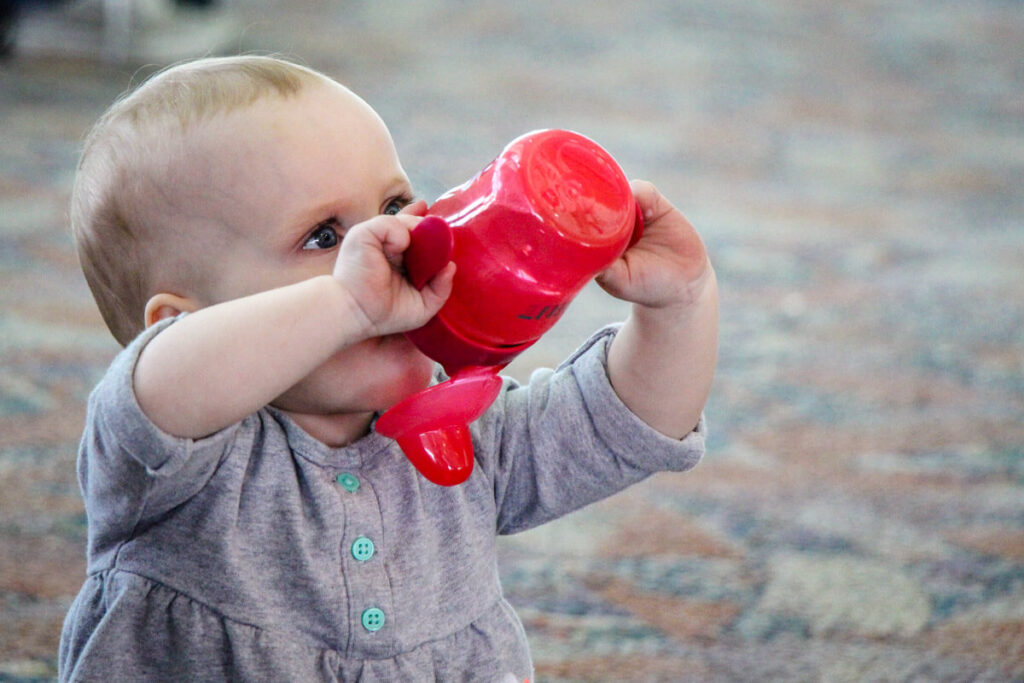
point(857, 171)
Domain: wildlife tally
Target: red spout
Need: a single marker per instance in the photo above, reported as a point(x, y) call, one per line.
point(432, 426)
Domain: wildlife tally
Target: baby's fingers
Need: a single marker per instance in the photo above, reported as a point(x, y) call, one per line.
point(615, 278)
point(653, 204)
point(393, 231)
point(416, 208)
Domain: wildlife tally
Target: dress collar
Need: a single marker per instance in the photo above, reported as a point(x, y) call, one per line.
point(360, 453)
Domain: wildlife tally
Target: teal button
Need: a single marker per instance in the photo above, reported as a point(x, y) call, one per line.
point(373, 619)
point(362, 549)
point(348, 482)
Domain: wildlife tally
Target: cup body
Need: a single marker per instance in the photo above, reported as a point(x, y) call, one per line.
point(530, 230)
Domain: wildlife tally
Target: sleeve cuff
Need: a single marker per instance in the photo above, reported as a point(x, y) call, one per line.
point(625, 434)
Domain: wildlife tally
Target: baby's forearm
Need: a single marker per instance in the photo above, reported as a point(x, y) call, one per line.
point(223, 362)
point(661, 363)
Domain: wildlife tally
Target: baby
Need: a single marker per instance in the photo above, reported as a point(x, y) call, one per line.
point(241, 223)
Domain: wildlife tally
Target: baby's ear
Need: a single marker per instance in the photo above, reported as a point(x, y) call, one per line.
point(166, 305)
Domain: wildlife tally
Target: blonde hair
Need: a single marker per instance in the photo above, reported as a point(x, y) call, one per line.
point(111, 212)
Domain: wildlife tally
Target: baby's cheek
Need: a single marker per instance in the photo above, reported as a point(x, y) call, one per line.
point(419, 376)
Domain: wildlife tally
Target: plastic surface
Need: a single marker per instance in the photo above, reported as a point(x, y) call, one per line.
point(348, 482)
point(530, 230)
point(527, 233)
point(373, 619)
point(432, 426)
point(638, 225)
point(362, 549)
point(429, 251)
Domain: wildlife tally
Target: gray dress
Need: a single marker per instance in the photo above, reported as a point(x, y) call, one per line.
point(261, 554)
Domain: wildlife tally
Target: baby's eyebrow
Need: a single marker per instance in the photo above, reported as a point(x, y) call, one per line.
point(321, 213)
point(399, 181)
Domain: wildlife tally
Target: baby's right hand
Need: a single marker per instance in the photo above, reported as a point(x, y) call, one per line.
point(369, 267)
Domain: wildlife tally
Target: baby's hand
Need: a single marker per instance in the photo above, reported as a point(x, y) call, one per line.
point(369, 266)
point(668, 266)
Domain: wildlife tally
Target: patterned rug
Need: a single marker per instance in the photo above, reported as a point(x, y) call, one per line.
point(856, 170)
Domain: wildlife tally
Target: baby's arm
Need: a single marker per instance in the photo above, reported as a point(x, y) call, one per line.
point(225, 361)
point(662, 361)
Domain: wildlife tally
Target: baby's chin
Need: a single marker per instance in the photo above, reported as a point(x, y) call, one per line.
point(405, 372)
point(400, 371)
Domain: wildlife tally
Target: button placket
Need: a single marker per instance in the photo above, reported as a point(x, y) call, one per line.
point(369, 590)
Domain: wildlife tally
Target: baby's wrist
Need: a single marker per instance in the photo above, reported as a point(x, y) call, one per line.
point(684, 299)
point(337, 303)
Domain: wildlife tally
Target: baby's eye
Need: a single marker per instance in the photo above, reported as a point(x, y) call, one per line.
point(396, 205)
point(325, 236)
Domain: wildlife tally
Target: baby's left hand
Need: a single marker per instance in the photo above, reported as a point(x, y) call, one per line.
point(668, 266)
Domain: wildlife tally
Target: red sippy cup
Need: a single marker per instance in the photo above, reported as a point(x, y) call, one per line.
point(527, 233)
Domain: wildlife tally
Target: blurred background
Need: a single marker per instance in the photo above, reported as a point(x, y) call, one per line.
point(857, 171)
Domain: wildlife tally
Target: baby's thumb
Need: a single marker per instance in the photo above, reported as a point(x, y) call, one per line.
point(614, 278)
point(416, 208)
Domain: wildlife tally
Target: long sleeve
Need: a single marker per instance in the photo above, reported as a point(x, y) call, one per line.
point(565, 440)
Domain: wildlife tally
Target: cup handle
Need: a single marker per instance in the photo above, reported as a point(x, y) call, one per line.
point(429, 251)
point(638, 225)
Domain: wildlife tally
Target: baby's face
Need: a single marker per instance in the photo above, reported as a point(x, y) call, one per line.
point(272, 191)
